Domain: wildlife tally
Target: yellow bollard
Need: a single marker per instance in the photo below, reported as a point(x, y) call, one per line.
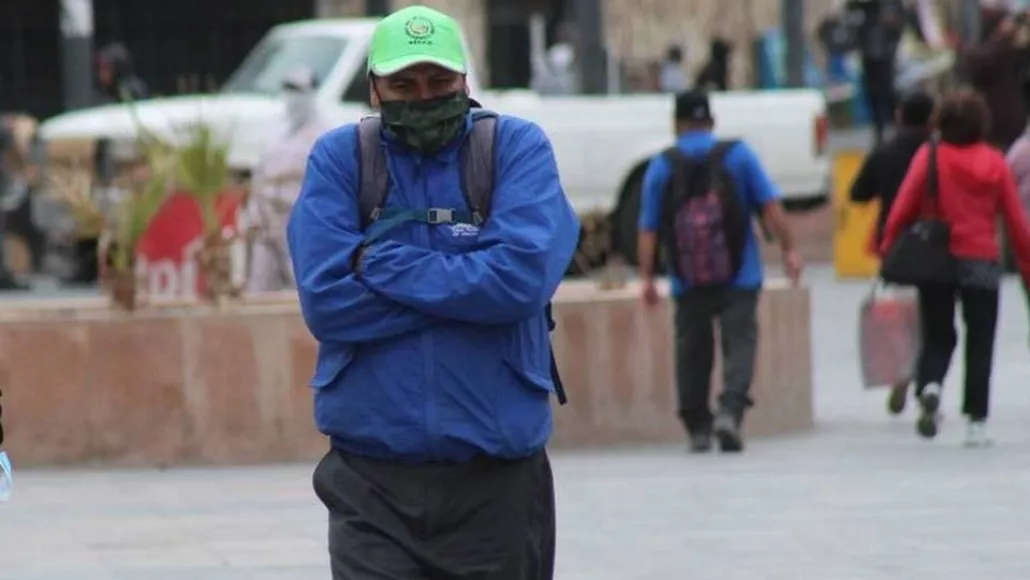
point(854, 221)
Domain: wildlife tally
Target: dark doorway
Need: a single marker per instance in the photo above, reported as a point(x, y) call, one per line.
point(29, 57)
point(190, 45)
point(508, 38)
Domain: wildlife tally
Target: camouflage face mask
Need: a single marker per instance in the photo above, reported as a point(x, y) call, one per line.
point(426, 125)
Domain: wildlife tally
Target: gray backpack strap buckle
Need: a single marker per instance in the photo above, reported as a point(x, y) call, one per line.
point(477, 165)
point(374, 176)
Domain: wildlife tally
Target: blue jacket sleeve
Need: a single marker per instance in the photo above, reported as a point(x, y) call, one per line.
point(323, 233)
point(655, 179)
point(525, 246)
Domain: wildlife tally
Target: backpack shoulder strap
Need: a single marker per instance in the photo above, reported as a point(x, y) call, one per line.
point(477, 164)
point(675, 156)
point(721, 149)
point(373, 175)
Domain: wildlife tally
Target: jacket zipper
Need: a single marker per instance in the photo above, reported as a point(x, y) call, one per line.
point(431, 416)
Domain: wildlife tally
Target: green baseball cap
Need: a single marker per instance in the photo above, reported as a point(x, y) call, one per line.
point(416, 35)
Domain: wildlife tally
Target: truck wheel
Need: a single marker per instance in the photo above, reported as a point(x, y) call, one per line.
point(624, 220)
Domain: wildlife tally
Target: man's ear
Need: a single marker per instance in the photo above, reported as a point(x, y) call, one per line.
point(373, 94)
point(465, 82)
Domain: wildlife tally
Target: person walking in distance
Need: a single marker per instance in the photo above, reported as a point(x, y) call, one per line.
point(972, 184)
point(880, 178)
point(276, 182)
point(1018, 159)
point(880, 26)
point(699, 201)
point(427, 243)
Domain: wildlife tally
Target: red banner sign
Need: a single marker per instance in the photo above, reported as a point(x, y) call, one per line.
point(166, 256)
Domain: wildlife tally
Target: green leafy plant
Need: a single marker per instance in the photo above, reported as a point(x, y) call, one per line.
point(202, 170)
point(134, 215)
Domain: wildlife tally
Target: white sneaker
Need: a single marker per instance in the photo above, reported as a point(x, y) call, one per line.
point(976, 434)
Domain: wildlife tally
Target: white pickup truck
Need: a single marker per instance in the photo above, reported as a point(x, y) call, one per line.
point(602, 143)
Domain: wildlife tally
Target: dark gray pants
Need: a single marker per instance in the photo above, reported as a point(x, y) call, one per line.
point(697, 310)
point(488, 519)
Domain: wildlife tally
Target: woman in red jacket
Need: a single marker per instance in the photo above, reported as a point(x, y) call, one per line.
point(975, 185)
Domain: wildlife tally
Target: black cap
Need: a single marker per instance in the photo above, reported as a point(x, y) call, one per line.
point(693, 106)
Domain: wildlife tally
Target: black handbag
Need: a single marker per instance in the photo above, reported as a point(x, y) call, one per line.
point(922, 256)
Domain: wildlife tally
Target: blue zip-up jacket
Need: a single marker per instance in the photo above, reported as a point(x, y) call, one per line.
point(438, 350)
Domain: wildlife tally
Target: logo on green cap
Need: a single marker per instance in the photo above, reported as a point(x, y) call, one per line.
point(419, 30)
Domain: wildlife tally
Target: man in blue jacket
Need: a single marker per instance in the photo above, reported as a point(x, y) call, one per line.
point(433, 379)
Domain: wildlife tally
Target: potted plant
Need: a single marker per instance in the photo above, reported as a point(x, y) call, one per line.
point(202, 171)
point(133, 215)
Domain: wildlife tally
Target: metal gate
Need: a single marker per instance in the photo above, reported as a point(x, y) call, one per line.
point(30, 57)
point(190, 45)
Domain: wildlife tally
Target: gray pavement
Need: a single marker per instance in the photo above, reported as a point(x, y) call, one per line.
point(859, 499)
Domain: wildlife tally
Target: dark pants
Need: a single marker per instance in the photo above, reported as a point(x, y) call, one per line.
point(696, 312)
point(488, 519)
point(939, 338)
point(878, 83)
point(1026, 292)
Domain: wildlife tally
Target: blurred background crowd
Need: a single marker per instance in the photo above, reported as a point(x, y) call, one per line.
point(63, 55)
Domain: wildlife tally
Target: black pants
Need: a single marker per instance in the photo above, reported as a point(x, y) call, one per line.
point(939, 338)
point(484, 520)
point(878, 83)
point(1026, 292)
point(696, 313)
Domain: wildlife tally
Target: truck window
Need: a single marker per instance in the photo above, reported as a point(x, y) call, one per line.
point(272, 59)
point(357, 90)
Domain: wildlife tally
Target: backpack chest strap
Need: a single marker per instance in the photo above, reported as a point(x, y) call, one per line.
point(391, 217)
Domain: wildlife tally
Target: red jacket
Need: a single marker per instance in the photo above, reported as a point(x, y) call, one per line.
point(975, 185)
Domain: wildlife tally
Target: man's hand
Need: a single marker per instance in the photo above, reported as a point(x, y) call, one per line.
point(649, 294)
point(793, 264)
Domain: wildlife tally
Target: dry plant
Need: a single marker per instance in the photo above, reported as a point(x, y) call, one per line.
point(72, 187)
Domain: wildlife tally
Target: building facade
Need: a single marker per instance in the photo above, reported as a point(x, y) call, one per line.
point(637, 31)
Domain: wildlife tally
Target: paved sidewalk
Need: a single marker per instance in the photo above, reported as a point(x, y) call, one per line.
point(859, 499)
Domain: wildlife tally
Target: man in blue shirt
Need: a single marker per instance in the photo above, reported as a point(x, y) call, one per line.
point(433, 379)
point(735, 302)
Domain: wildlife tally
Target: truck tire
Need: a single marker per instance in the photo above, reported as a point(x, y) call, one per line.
point(624, 223)
point(624, 220)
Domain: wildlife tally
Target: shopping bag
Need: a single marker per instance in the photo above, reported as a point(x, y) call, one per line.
point(6, 477)
point(888, 335)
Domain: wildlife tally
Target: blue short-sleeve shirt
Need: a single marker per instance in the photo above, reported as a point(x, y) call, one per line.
point(753, 185)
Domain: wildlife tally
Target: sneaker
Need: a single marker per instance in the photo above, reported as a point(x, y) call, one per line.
point(727, 431)
point(976, 434)
point(700, 441)
point(898, 397)
point(929, 405)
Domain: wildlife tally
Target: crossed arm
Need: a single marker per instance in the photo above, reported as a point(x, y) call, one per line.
point(525, 248)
